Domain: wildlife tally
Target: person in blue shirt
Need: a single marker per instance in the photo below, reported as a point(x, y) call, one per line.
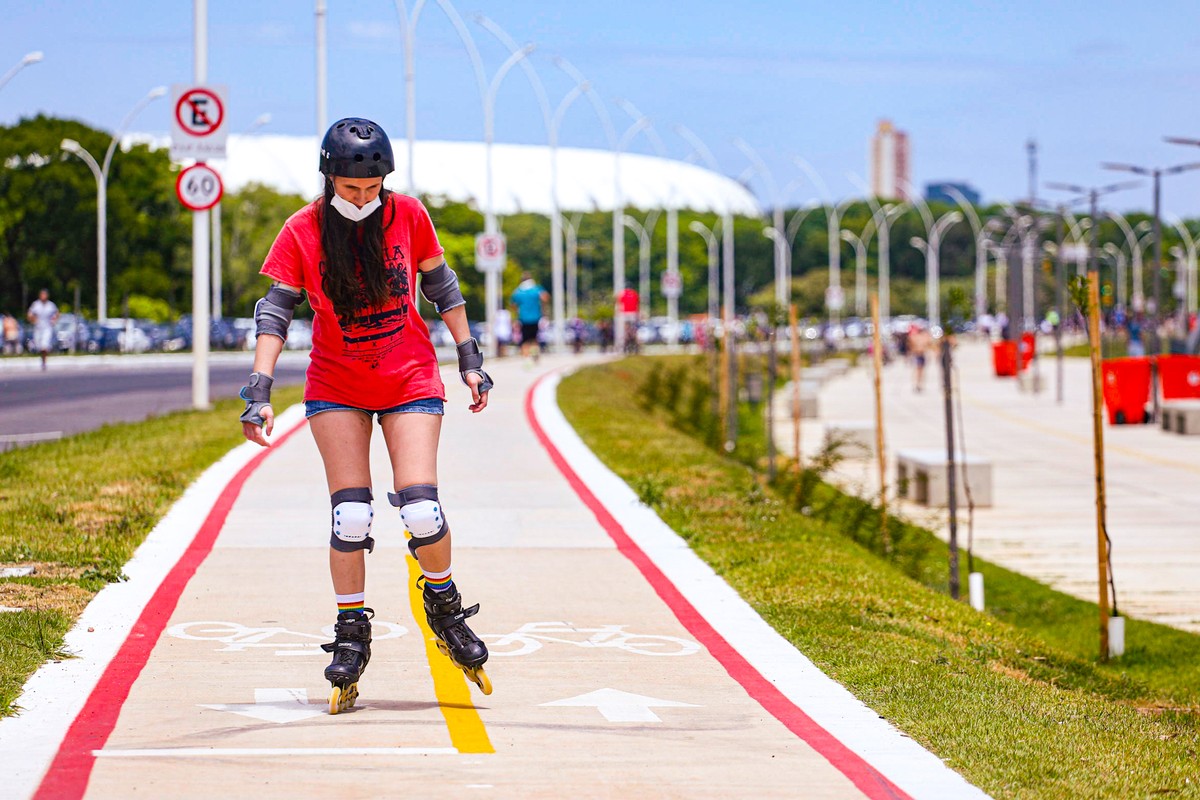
point(528, 301)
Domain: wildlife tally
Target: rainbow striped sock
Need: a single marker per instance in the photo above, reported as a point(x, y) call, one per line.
point(439, 581)
point(351, 602)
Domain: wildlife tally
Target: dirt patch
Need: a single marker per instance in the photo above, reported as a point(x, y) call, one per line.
point(66, 597)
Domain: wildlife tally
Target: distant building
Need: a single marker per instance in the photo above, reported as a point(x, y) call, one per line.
point(940, 192)
point(890, 163)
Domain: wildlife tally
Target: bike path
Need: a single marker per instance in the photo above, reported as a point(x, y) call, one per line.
point(620, 664)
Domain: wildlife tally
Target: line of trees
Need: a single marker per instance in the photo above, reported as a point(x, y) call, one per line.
point(48, 239)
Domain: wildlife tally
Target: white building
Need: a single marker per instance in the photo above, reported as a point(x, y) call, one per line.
point(890, 165)
point(521, 175)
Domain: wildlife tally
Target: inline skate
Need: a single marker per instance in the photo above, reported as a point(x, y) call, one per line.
point(351, 650)
point(447, 620)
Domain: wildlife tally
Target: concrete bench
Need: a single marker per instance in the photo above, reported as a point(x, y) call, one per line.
point(857, 438)
point(808, 399)
point(921, 478)
point(1181, 416)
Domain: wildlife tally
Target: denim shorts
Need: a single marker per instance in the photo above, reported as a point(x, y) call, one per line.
point(426, 405)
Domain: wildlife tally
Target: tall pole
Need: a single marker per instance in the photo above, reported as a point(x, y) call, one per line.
point(951, 466)
point(30, 58)
point(322, 70)
point(1060, 281)
point(200, 227)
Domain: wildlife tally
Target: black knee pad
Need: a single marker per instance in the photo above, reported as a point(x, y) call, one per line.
point(350, 522)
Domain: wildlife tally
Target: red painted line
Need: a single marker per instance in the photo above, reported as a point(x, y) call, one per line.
point(68, 775)
point(866, 778)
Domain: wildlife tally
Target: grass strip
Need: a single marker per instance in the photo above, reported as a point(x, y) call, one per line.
point(1013, 699)
point(76, 509)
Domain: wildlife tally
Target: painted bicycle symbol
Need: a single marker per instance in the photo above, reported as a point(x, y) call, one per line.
point(531, 636)
point(239, 638)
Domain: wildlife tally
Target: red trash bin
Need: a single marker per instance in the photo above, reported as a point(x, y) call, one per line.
point(1028, 343)
point(1126, 383)
point(1004, 358)
point(1179, 376)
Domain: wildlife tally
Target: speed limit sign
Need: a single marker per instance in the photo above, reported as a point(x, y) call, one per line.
point(199, 187)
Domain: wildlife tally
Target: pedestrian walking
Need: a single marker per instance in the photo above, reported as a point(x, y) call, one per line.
point(528, 300)
point(919, 343)
point(12, 335)
point(43, 313)
point(356, 252)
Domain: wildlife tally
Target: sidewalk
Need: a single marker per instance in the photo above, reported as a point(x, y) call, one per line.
point(1043, 521)
point(622, 666)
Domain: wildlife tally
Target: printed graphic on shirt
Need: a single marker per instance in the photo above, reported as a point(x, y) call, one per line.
point(375, 332)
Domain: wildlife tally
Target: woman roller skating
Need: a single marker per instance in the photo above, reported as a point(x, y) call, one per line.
point(356, 252)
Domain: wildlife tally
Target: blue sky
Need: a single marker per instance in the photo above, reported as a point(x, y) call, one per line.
point(970, 81)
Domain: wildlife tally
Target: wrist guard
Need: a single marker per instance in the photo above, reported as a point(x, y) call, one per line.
point(257, 394)
point(470, 359)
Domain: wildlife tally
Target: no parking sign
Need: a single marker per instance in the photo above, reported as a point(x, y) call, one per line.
point(198, 128)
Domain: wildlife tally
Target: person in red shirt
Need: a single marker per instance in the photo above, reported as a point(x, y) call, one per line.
point(356, 252)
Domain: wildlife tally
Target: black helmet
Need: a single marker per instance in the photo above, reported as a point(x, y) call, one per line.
point(356, 148)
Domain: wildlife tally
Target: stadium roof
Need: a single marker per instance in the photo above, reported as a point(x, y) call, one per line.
point(521, 175)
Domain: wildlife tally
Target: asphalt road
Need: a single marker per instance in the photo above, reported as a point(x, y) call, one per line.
point(73, 396)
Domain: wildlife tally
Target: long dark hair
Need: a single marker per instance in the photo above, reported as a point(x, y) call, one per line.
point(354, 277)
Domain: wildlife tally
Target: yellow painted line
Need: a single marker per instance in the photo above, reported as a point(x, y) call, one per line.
point(1085, 440)
point(467, 732)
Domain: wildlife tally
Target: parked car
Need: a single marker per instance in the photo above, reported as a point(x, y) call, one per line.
point(71, 327)
point(299, 335)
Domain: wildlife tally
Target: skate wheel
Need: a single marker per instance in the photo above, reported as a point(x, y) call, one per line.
point(442, 648)
point(480, 679)
point(342, 697)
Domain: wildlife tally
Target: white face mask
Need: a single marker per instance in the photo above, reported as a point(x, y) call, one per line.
point(351, 211)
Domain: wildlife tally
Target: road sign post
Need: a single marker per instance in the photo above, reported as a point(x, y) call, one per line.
point(491, 252)
point(198, 128)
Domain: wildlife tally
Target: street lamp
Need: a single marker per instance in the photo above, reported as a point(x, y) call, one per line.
point(882, 216)
point(1156, 173)
point(1135, 245)
point(30, 58)
point(710, 239)
point(100, 171)
point(643, 258)
point(672, 224)
point(217, 244)
point(726, 229)
point(1187, 299)
point(552, 120)
point(1093, 194)
point(777, 222)
point(833, 295)
point(930, 246)
point(860, 244)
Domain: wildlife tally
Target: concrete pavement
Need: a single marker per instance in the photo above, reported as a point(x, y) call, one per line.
point(1043, 520)
point(621, 664)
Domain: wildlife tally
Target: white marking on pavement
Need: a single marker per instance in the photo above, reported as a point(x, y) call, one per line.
point(221, 752)
point(618, 706)
point(914, 769)
point(57, 692)
point(274, 705)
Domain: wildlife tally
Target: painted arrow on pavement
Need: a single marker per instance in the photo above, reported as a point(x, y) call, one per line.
point(618, 706)
point(274, 705)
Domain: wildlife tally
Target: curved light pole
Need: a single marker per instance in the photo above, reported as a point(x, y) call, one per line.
point(1156, 173)
point(643, 262)
point(777, 221)
point(672, 209)
point(930, 246)
point(552, 120)
point(1136, 245)
point(217, 244)
point(980, 254)
point(833, 295)
point(882, 216)
point(1187, 302)
point(571, 228)
point(408, 29)
point(1028, 228)
point(29, 58)
point(726, 228)
point(860, 245)
point(100, 172)
point(710, 240)
point(1119, 264)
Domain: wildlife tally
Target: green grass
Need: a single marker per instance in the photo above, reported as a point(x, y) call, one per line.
point(1014, 699)
point(77, 508)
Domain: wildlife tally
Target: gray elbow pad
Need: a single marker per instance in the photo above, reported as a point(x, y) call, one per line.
point(273, 313)
point(440, 287)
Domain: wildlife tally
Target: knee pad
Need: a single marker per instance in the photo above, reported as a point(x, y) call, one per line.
point(351, 520)
point(421, 512)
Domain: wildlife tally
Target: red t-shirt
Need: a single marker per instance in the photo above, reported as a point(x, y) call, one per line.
point(383, 357)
